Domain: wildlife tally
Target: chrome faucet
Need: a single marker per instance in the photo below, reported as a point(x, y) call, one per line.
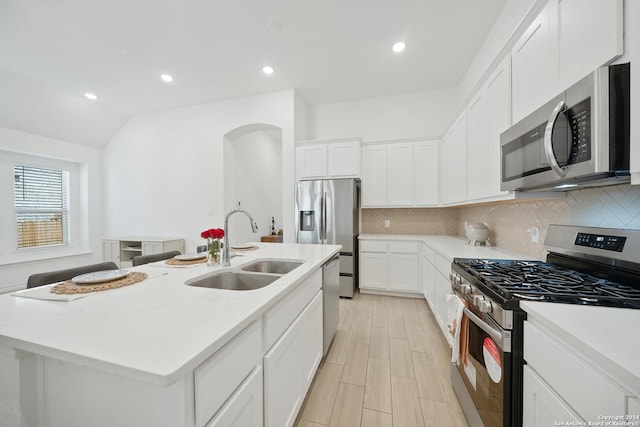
point(226, 261)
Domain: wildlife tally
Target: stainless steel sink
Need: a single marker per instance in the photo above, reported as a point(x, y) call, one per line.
point(275, 267)
point(236, 281)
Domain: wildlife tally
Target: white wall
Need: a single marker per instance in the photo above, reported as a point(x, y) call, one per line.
point(255, 181)
point(88, 252)
point(163, 173)
point(411, 115)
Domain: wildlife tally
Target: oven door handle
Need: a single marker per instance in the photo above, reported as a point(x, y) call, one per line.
point(502, 339)
point(548, 143)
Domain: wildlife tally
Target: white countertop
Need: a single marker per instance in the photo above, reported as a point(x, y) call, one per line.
point(450, 246)
point(608, 336)
point(155, 331)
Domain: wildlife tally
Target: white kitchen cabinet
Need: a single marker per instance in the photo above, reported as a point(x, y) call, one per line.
point(122, 250)
point(426, 173)
point(288, 365)
point(442, 292)
point(541, 405)
point(565, 376)
point(488, 115)
point(244, 408)
point(429, 276)
point(534, 61)
point(374, 175)
point(328, 159)
point(567, 40)
point(454, 170)
point(390, 266)
point(400, 174)
point(589, 34)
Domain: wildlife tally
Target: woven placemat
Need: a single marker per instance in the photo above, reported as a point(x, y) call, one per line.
point(174, 261)
point(69, 287)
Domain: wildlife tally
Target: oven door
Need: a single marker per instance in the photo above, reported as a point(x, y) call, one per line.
point(484, 374)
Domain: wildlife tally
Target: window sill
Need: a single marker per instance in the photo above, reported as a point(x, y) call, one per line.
point(42, 255)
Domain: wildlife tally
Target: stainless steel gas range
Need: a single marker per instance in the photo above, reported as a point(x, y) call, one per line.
point(585, 265)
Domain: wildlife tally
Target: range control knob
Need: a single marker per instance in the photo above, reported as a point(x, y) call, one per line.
point(465, 288)
point(477, 300)
point(455, 279)
point(485, 306)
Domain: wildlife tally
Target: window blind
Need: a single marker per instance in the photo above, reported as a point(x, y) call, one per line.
point(41, 205)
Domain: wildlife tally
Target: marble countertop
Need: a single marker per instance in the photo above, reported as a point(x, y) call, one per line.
point(155, 331)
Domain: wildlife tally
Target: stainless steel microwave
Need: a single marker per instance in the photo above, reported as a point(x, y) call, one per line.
point(580, 138)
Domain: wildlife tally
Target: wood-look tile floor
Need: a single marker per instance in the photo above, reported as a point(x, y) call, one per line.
point(388, 366)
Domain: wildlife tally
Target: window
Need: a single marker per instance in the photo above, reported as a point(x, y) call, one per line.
point(41, 200)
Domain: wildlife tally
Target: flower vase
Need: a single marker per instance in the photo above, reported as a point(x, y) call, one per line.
point(213, 252)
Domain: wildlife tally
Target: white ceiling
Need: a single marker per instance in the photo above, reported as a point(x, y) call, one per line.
point(53, 51)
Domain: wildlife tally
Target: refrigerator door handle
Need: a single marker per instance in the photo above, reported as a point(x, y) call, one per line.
point(323, 217)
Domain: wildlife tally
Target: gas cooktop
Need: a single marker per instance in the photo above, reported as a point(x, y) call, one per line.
point(542, 281)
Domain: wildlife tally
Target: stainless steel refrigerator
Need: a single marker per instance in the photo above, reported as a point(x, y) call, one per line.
point(328, 212)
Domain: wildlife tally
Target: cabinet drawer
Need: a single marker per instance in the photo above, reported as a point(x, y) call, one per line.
point(280, 317)
point(217, 378)
point(587, 391)
point(443, 265)
point(244, 408)
point(373, 246)
point(403, 247)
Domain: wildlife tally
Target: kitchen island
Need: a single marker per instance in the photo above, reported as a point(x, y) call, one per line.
point(163, 353)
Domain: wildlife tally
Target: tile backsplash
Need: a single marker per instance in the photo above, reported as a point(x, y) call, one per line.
point(614, 207)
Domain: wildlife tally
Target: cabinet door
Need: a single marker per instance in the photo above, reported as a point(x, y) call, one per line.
point(429, 285)
point(541, 406)
point(442, 289)
point(589, 35)
point(244, 408)
point(533, 60)
point(283, 371)
point(488, 116)
point(456, 162)
point(312, 340)
point(399, 174)
point(403, 272)
point(344, 159)
point(151, 248)
point(111, 251)
point(374, 175)
point(311, 161)
point(426, 173)
point(373, 270)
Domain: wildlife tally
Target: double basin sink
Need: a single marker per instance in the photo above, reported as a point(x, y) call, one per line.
point(252, 276)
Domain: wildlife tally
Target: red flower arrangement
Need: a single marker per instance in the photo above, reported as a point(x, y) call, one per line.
point(213, 236)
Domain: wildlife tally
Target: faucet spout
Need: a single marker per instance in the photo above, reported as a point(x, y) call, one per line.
point(226, 260)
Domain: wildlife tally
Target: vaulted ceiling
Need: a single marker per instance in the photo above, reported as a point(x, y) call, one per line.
point(52, 52)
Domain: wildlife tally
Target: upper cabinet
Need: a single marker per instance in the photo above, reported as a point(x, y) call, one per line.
point(328, 159)
point(400, 174)
point(567, 40)
point(454, 165)
point(488, 115)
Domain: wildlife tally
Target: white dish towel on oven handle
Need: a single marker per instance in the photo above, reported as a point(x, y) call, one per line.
point(455, 311)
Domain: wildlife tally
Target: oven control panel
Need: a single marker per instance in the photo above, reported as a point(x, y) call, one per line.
point(599, 241)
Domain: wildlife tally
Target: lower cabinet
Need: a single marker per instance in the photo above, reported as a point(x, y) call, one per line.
point(563, 383)
point(542, 407)
point(290, 366)
point(390, 265)
point(244, 408)
point(436, 286)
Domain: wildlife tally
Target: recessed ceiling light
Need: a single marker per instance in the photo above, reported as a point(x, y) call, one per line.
point(398, 47)
point(90, 96)
point(267, 69)
point(166, 78)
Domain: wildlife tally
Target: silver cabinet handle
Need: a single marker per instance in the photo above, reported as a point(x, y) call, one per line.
point(548, 147)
